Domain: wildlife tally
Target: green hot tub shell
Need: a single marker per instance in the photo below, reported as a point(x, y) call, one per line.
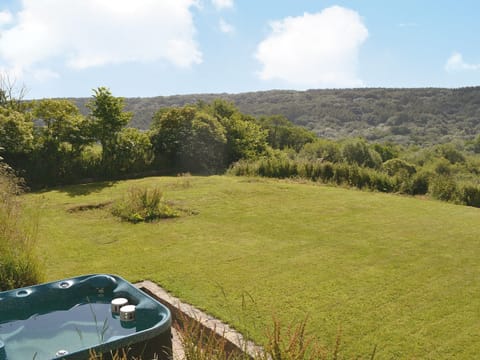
point(71, 319)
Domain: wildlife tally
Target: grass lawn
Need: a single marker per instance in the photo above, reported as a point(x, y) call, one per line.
point(397, 272)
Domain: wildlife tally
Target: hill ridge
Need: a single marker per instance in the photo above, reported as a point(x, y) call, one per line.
point(403, 115)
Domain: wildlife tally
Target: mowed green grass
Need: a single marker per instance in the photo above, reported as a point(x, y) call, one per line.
point(397, 272)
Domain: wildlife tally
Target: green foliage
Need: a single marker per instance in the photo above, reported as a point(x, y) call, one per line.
point(16, 132)
point(401, 116)
point(396, 166)
point(205, 148)
point(443, 187)
point(170, 130)
point(322, 149)
point(107, 118)
point(133, 151)
point(284, 134)
point(442, 167)
point(62, 125)
point(387, 150)
point(245, 138)
point(143, 204)
point(205, 138)
point(470, 195)
point(452, 154)
point(416, 184)
point(19, 265)
point(281, 166)
point(208, 137)
point(356, 151)
point(190, 139)
point(60, 137)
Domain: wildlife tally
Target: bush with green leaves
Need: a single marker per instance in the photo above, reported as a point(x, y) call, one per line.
point(143, 204)
point(19, 265)
point(443, 187)
point(470, 194)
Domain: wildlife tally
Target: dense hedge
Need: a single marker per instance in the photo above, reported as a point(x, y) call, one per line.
point(397, 176)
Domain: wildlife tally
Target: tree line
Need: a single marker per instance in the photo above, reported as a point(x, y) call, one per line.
point(49, 142)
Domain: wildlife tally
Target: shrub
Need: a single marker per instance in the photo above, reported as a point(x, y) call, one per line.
point(381, 182)
point(19, 265)
point(419, 183)
point(394, 166)
point(443, 188)
point(143, 204)
point(277, 167)
point(356, 151)
point(470, 195)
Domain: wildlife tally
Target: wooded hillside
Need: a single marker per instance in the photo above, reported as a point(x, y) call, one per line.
point(406, 116)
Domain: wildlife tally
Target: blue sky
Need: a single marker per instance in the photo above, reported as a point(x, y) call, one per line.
point(64, 48)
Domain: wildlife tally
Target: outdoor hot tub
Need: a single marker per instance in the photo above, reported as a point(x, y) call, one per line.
point(72, 318)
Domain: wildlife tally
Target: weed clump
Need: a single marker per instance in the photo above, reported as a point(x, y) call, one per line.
point(143, 205)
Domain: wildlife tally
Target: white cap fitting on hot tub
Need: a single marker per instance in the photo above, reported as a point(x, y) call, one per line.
point(127, 313)
point(61, 353)
point(117, 304)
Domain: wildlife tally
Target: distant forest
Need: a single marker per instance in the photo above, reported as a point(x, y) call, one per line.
point(404, 116)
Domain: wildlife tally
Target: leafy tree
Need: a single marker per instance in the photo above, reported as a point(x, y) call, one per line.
point(452, 154)
point(396, 166)
point(62, 124)
point(206, 146)
point(220, 108)
point(61, 135)
point(282, 133)
point(356, 151)
point(133, 151)
point(16, 132)
point(217, 131)
point(189, 139)
point(322, 149)
point(170, 130)
point(107, 120)
point(245, 138)
point(387, 150)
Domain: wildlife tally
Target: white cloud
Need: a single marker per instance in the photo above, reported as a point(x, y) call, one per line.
point(222, 4)
point(6, 17)
point(45, 74)
point(456, 63)
point(225, 27)
point(86, 33)
point(314, 50)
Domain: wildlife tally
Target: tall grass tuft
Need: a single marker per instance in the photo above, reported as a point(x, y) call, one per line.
point(292, 344)
point(143, 204)
point(19, 265)
point(200, 343)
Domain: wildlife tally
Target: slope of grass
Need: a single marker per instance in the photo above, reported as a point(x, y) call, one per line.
point(394, 271)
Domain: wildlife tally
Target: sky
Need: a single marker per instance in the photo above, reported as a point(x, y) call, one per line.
point(139, 48)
